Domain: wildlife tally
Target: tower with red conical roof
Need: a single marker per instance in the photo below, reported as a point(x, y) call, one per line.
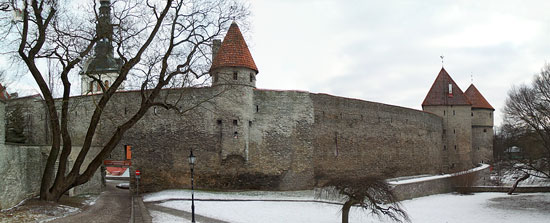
point(448, 101)
point(482, 126)
point(233, 73)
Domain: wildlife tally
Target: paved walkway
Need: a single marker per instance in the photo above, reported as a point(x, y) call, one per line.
point(153, 206)
point(113, 205)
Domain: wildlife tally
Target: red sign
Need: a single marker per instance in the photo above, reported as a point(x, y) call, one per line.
point(138, 172)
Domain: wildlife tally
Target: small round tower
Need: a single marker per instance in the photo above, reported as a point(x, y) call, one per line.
point(482, 126)
point(233, 73)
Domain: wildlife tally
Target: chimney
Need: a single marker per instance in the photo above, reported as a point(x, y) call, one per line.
point(215, 47)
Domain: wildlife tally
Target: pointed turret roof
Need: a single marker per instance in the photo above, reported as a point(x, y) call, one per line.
point(439, 92)
point(234, 51)
point(477, 99)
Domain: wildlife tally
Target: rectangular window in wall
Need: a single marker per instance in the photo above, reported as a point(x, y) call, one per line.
point(235, 122)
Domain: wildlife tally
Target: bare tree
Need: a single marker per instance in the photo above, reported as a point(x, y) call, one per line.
point(527, 111)
point(369, 193)
point(157, 42)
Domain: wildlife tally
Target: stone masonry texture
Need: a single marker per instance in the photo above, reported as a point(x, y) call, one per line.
point(246, 138)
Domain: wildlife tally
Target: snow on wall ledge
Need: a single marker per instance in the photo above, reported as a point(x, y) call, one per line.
point(429, 185)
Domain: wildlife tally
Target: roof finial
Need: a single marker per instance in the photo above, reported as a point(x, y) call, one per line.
point(441, 60)
point(472, 77)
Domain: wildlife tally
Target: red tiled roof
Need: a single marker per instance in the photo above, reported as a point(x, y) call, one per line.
point(234, 52)
point(477, 99)
point(439, 92)
point(3, 93)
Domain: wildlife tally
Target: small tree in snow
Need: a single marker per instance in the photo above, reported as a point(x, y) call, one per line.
point(370, 193)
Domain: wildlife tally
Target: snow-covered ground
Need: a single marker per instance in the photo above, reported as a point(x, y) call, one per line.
point(481, 207)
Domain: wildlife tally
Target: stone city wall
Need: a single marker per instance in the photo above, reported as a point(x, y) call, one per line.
point(286, 140)
point(359, 138)
point(21, 170)
point(276, 155)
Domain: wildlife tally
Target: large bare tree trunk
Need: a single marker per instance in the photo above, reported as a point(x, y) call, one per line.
point(517, 182)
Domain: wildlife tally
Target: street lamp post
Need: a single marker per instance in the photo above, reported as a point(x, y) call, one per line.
point(192, 159)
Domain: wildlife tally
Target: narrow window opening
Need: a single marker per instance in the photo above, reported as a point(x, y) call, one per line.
point(454, 131)
point(219, 122)
point(235, 122)
point(251, 77)
point(235, 75)
point(125, 110)
point(443, 113)
point(249, 123)
point(472, 114)
point(335, 143)
point(484, 130)
point(454, 112)
point(455, 147)
point(257, 108)
point(444, 147)
point(155, 110)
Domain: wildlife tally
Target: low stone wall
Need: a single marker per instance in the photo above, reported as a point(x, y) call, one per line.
point(424, 186)
point(21, 171)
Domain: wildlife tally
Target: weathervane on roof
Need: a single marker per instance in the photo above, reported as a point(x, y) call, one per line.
point(441, 59)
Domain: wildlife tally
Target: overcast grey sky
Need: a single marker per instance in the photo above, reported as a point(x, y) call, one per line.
point(388, 51)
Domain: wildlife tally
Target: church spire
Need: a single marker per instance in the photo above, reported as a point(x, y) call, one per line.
point(104, 60)
point(104, 30)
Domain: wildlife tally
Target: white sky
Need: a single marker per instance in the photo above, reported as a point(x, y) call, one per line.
point(388, 51)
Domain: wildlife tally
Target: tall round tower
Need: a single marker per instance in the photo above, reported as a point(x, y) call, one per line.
point(447, 100)
point(233, 73)
point(482, 126)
